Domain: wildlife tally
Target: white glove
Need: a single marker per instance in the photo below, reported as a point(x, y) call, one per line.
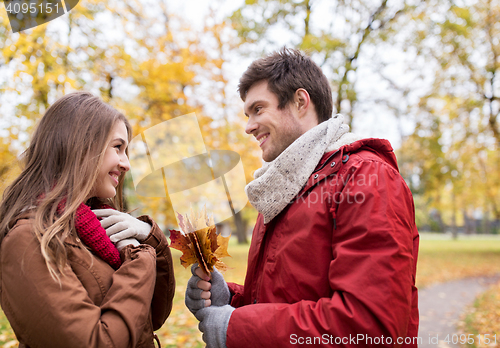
point(120, 226)
point(124, 242)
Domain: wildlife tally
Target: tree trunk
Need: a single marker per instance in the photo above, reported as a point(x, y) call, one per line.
point(454, 231)
point(485, 224)
point(241, 228)
point(469, 224)
point(439, 220)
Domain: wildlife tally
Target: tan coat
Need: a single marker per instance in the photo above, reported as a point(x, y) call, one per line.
point(95, 305)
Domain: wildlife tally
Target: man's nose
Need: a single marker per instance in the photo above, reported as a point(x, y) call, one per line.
point(251, 126)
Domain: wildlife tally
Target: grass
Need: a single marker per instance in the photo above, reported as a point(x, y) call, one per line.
point(181, 328)
point(7, 337)
point(444, 260)
point(440, 260)
point(483, 318)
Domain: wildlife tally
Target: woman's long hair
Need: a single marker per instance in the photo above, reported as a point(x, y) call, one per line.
point(61, 163)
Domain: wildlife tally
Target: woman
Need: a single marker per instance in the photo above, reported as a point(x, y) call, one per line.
point(63, 282)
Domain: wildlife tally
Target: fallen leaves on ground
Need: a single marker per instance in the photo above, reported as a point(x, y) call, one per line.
point(483, 318)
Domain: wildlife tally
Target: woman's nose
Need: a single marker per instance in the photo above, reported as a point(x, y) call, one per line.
point(124, 163)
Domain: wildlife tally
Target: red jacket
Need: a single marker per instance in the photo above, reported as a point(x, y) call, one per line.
point(337, 266)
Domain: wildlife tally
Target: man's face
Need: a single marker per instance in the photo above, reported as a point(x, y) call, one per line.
point(273, 128)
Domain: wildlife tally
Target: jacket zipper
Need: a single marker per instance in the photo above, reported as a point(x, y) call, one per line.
point(260, 260)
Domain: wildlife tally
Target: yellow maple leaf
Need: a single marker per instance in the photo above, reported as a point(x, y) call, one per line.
point(199, 242)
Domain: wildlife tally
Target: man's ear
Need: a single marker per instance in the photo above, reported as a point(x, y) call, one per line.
point(302, 101)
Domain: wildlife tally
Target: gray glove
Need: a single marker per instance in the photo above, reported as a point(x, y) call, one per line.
point(193, 299)
point(213, 324)
point(220, 292)
point(219, 296)
point(121, 226)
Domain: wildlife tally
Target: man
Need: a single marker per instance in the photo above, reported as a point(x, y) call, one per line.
point(333, 255)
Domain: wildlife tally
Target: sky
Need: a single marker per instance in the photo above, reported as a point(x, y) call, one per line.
point(375, 121)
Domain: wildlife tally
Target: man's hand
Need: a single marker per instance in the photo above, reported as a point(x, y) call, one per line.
point(120, 226)
point(198, 290)
point(220, 294)
point(203, 291)
point(213, 323)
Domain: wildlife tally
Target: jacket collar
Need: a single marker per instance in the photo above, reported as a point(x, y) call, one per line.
point(331, 162)
point(381, 147)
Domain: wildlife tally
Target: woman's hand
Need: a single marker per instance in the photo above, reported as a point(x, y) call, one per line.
point(124, 242)
point(120, 226)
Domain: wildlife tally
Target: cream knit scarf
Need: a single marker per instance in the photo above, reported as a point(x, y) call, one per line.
point(279, 181)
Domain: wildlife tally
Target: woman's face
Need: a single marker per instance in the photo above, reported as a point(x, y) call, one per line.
point(115, 162)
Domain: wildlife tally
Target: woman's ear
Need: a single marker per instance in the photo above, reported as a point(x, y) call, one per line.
point(302, 101)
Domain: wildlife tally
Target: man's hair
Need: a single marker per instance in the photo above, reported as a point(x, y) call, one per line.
point(286, 71)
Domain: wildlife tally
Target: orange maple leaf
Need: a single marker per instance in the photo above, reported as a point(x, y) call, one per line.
point(200, 242)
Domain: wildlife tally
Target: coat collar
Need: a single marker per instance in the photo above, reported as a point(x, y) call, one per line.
point(329, 165)
point(331, 162)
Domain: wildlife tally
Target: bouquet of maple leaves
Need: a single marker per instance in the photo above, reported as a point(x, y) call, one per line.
point(199, 242)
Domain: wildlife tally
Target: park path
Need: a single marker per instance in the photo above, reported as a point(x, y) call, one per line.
point(440, 306)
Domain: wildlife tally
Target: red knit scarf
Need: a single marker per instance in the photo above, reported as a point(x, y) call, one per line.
point(93, 235)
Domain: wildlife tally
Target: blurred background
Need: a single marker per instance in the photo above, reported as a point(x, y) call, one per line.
point(423, 74)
